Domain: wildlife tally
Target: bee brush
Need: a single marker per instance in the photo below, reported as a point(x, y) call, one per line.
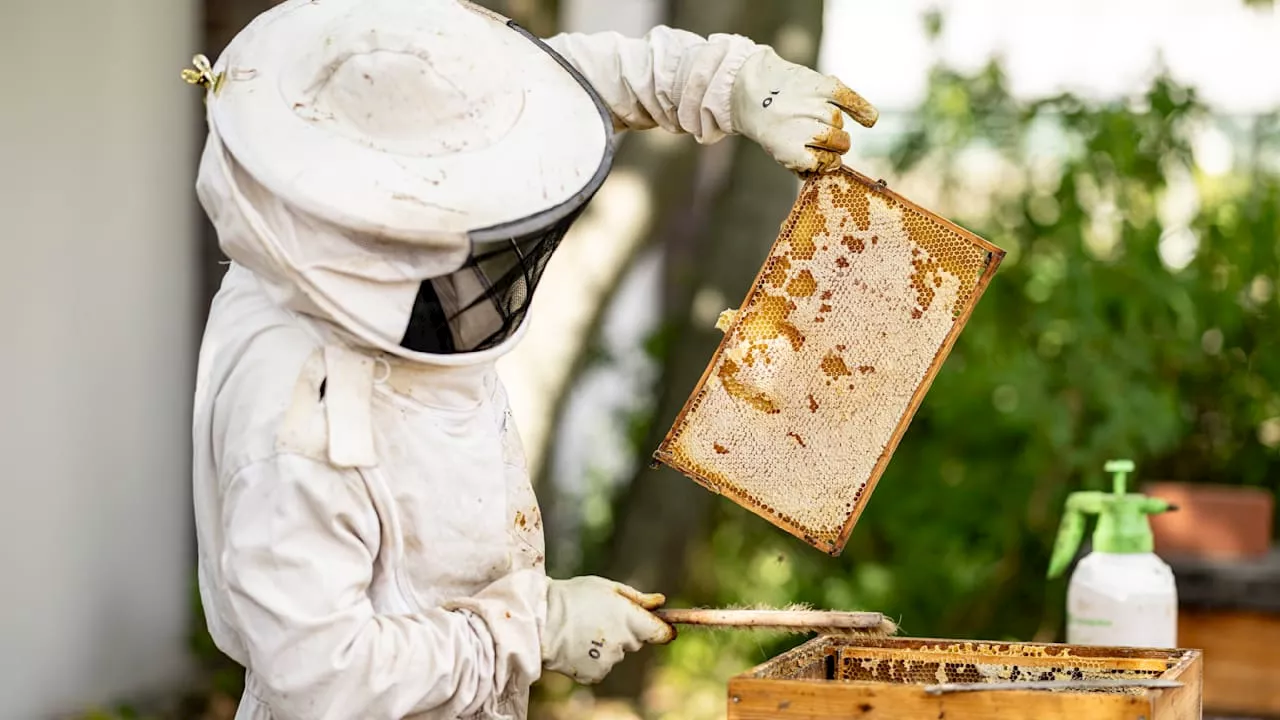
point(790, 620)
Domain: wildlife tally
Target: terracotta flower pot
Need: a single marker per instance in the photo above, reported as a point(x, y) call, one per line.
point(1213, 521)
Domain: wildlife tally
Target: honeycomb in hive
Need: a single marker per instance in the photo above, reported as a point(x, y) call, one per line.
point(909, 678)
point(914, 662)
point(943, 667)
point(823, 366)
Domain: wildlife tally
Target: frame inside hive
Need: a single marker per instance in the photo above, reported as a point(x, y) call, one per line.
point(890, 678)
point(819, 373)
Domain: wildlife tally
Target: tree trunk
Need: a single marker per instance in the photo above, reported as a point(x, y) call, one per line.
point(665, 166)
point(679, 176)
point(723, 240)
point(670, 175)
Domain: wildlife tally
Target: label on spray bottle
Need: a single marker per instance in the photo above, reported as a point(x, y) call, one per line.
point(1122, 601)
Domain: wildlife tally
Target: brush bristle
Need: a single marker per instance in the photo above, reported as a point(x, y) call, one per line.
point(886, 628)
point(765, 607)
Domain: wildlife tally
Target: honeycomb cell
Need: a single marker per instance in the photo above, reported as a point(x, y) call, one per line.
point(826, 361)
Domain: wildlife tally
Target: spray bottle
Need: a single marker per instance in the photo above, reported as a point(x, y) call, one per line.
point(1121, 594)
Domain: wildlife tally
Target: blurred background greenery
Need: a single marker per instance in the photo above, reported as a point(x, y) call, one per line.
point(1136, 315)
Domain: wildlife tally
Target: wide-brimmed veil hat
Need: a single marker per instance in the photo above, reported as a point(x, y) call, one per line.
point(405, 118)
point(432, 123)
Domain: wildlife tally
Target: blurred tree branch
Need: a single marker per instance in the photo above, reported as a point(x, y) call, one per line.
point(1092, 343)
point(540, 17)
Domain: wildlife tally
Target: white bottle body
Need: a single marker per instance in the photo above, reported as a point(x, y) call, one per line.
point(1127, 600)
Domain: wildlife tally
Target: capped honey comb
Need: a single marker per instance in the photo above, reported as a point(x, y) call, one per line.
point(823, 366)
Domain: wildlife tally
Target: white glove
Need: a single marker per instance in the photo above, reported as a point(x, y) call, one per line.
point(592, 623)
point(794, 112)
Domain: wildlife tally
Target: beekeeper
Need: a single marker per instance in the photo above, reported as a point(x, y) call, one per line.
point(389, 178)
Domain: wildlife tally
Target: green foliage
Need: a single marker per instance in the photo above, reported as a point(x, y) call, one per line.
point(1087, 346)
point(224, 676)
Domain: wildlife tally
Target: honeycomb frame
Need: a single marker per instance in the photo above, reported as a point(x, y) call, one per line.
point(837, 254)
point(844, 676)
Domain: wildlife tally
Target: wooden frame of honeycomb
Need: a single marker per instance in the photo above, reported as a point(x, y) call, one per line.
point(823, 366)
point(891, 678)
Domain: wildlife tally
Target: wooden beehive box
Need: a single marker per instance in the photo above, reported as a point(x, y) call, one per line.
point(896, 679)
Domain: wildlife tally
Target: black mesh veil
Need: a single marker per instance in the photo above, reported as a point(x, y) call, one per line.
point(483, 303)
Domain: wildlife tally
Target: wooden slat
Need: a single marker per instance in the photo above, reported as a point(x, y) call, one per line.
point(1186, 702)
point(759, 699)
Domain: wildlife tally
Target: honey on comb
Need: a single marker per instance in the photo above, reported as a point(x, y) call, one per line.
point(738, 389)
point(834, 365)
point(777, 272)
point(855, 244)
point(769, 321)
point(799, 245)
point(802, 285)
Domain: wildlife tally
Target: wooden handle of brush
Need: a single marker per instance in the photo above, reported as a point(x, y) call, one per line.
point(799, 619)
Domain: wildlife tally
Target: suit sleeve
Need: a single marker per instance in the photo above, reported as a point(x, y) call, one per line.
point(301, 542)
point(670, 78)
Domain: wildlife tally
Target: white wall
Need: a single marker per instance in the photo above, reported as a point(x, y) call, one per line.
point(97, 308)
point(1097, 48)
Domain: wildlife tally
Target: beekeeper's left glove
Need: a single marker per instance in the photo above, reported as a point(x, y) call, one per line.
point(592, 623)
point(795, 113)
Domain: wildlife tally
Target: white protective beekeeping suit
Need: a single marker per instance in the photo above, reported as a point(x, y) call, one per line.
point(388, 177)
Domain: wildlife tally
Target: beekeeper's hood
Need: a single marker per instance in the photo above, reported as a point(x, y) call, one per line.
point(401, 168)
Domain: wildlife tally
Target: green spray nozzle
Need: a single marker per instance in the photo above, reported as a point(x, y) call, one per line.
point(1122, 520)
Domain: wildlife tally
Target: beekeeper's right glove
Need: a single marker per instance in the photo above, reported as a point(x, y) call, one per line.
point(592, 623)
point(796, 113)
